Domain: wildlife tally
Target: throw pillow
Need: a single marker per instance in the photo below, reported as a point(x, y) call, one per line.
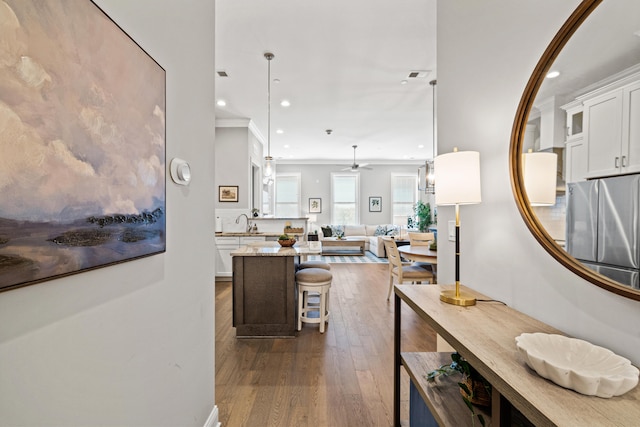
point(380, 231)
point(326, 231)
point(338, 230)
point(392, 230)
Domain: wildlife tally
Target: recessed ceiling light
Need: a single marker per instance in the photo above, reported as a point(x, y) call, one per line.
point(285, 103)
point(276, 81)
point(286, 145)
point(553, 74)
point(421, 146)
point(279, 131)
point(221, 103)
point(403, 82)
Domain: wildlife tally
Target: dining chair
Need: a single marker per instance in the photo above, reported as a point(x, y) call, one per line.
point(404, 272)
point(423, 239)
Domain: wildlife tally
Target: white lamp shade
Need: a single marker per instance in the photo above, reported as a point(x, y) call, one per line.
point(457, 178)
point(312, 218)
point(539, 172)
point(400, 220)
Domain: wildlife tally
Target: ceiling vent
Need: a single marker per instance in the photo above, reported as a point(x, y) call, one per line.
point(418, 74)
point(223, 73)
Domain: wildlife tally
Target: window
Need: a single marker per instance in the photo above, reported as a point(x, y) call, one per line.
point(288, 195)
point(404, 195)
point(345, 198)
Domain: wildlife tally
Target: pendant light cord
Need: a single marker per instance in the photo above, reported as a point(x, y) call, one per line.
point(269, 57)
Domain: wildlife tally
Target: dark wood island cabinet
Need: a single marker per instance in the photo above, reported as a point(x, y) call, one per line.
point(264, 290)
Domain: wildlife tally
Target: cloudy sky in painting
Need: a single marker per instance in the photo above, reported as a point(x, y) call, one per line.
point(81, 115)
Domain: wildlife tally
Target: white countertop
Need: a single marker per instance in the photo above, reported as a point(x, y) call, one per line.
point(274, 249)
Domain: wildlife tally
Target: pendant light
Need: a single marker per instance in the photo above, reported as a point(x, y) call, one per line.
point(269, 162)
point(430, 187)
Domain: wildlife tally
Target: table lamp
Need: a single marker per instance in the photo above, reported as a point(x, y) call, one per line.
point(401, 222)
point(458, 183)
point(539, 171)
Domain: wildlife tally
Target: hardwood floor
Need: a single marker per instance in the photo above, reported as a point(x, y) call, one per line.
point(343, 377)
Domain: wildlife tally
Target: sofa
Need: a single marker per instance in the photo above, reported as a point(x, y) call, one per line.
point(371, 234)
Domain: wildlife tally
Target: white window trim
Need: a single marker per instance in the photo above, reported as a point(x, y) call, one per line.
point(357, 201)
point(296, 175)
point(416, 196)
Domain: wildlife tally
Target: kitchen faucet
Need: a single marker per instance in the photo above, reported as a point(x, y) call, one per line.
point(248, 222)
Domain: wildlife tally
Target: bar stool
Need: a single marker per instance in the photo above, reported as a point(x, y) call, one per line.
point(311, 281)
point(314, 264)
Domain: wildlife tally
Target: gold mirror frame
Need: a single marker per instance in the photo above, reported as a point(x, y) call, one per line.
point(515, 155)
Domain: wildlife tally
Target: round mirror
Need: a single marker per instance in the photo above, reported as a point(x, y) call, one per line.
point(589, 117)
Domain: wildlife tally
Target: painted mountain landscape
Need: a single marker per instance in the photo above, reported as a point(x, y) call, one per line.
point(82, 143)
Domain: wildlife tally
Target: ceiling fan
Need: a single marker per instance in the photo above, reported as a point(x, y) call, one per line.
point(356, 167)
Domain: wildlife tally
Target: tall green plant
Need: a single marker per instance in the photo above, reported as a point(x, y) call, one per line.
point(423, 215)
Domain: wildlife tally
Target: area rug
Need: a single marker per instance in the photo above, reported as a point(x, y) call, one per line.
point(367, 258)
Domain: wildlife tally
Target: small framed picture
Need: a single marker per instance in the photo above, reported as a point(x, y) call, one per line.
point(228, 193)
point(315, 205)
point(375, 204)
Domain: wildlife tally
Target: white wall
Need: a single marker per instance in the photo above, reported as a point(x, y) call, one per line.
point(486, 53)
point(233, 166)
point(316, 182)
point(132, 344)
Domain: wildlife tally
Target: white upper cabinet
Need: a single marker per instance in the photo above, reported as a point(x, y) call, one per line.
point(612, 131)
point(574, 121)
point(575, 155)
point(631, 127)
point(575, 168)
point(603, 136)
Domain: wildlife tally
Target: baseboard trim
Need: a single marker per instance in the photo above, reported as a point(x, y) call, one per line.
point(212, 421)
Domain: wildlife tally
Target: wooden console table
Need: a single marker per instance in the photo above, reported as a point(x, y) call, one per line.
point(485, 334)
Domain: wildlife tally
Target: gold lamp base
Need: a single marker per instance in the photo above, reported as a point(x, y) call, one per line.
point(456, 298)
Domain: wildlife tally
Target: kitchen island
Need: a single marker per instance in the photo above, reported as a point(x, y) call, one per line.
point(264, 289)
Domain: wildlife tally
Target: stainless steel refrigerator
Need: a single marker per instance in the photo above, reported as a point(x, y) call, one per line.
point(603, 226)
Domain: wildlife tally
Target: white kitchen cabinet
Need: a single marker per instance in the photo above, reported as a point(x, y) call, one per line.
point(575, 153)
point(575, 160)
point(227, 244)
point(612, 132)
point(574, 120)
point(224, 246)
point(245, 240)
point(603, 134)
point(631, 127)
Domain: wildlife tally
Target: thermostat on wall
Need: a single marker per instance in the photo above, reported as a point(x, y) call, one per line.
point(180, 171)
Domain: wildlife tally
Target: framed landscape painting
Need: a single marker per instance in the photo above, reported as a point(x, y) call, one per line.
point(82, 143)
point(228, 193)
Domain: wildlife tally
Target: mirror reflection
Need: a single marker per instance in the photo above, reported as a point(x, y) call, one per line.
point(589, 116)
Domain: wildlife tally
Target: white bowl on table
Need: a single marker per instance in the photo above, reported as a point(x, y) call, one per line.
point(577, 365)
